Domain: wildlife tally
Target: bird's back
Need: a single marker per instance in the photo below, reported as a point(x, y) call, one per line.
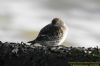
point(50, 34)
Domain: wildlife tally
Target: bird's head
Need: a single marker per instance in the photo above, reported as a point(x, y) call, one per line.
point(57, 21)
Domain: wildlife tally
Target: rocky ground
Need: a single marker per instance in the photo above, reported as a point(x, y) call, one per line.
point(20, 54)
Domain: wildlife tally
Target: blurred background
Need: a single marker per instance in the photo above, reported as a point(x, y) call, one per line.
point(21, 20)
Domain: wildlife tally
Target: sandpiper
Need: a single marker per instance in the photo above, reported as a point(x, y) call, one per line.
point(52, 34)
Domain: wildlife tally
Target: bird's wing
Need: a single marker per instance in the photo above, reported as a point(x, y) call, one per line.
point(47, 33)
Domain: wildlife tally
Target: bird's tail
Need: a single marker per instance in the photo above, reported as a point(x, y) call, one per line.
point(32, 42)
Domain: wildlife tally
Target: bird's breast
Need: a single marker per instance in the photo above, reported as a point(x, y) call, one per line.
point(65, 32)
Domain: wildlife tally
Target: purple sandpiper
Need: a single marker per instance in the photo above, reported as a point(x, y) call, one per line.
point(52, 34)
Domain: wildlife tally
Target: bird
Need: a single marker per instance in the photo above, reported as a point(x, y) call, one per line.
point(52, 34)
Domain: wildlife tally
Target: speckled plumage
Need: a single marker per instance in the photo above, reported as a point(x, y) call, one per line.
point(52, 34)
